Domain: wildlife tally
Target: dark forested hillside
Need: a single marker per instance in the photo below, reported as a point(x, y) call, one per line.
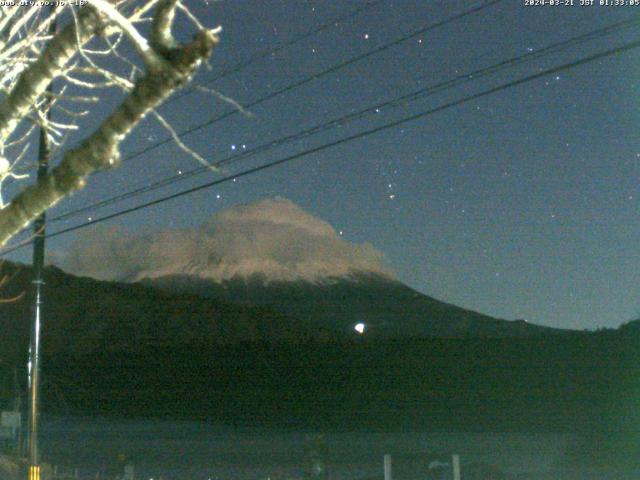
point(119, 349)
point(388, 307)
point(84, 316)
point(577, 382)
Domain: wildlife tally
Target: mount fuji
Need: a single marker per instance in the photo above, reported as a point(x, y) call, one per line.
point(274, 254)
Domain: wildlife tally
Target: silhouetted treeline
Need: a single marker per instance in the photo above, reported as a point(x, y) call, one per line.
point(130, 350)
point(579, 382)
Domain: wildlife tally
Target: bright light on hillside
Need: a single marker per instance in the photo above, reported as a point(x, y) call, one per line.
point(359, 328)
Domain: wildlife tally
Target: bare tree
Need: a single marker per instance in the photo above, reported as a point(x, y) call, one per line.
point(85, 56)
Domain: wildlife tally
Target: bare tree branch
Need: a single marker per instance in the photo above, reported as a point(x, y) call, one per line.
point(33, 81)
point(31, 57)
point(101, 149)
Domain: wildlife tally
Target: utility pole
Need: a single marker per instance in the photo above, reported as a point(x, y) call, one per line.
point(34, 347)
point(44, 154)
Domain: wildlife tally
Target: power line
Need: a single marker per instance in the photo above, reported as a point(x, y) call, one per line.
point(550, 71)
point(318, 75)
point(268, 52)
point(404, 99)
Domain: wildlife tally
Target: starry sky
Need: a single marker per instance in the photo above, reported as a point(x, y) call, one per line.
point(519, 204)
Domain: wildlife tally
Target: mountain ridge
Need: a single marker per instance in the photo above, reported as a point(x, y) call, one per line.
point(135, 350)
point(385, 305)
point(83, 315)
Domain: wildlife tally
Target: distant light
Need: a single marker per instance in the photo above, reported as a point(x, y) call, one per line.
point(360, 328)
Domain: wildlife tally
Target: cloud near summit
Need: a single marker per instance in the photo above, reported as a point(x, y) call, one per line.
point(272, 237)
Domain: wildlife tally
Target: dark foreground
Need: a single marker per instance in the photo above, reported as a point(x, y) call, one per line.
point(202, 450)
point(579, 383)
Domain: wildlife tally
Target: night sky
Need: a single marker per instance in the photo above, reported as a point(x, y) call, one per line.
point(520, 204)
